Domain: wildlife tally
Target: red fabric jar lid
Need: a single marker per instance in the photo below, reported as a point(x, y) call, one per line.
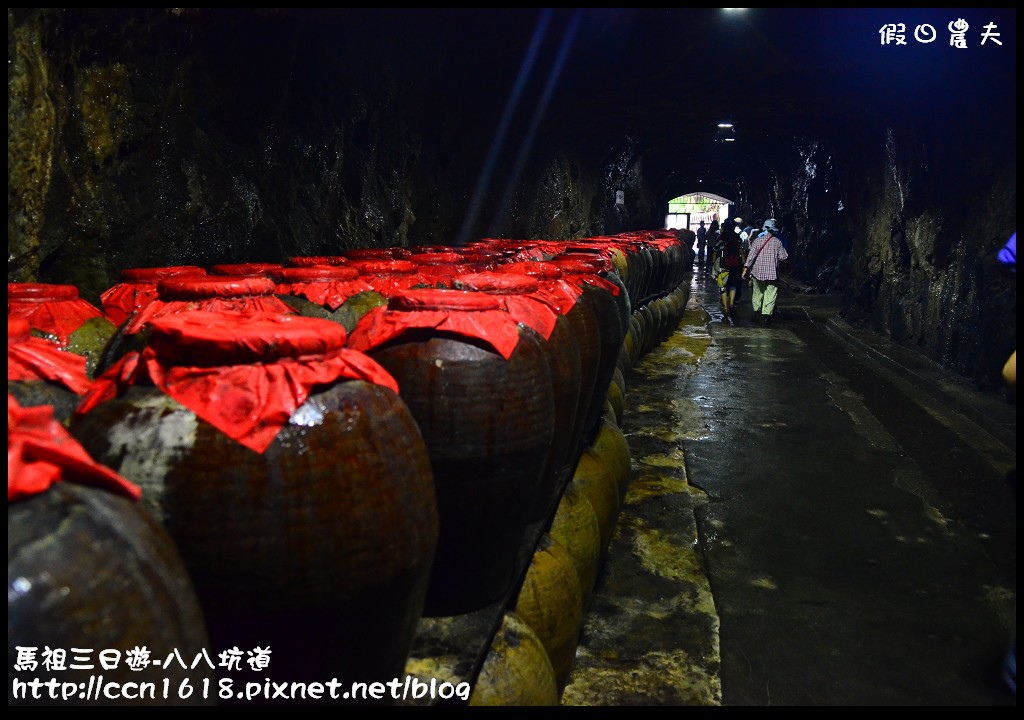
point(428, 249)
point(244, 269)
point(519, 295)
point(18, 330)
point(534, 268)
point(437, 258)
point(480, 253)
point(574, 266)
point(385, 267)
point(54, 309)
point(201, 288)
point(308, 260)
point(442, 299)
point(31, 358)
point(244, 373)
point(583, 271)
point(594, 263)
point(312, 273)
point(494, 282)
point(369, 253)
point(40, 292)
point(201, 338)
point(155, 274)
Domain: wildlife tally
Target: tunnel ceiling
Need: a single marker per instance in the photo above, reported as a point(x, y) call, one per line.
point(595, 77)
point(665, 77)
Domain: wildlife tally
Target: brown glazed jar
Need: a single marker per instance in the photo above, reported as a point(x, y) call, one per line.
point(640, 266)
point(520, 295)
point(584, 329)
point(598, 295)
point(516, 672)
point(291, 475)
point(479, 388)
point(89, 568)
point(603, 267)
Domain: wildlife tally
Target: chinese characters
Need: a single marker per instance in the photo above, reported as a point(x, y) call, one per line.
point(925, 33)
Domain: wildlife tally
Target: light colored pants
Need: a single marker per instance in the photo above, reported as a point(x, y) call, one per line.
point(764, 296)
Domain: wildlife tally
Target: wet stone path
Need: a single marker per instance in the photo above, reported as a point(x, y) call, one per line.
point(789, 537)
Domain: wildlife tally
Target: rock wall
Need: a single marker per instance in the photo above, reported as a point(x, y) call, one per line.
point(928, 211)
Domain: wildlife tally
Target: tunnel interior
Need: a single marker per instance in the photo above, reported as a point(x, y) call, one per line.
point(883, 141)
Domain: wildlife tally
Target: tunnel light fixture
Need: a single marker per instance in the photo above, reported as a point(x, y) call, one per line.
point(725, 124)
point(730, 139)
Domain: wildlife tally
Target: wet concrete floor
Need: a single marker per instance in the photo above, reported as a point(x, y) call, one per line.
point(805, 525)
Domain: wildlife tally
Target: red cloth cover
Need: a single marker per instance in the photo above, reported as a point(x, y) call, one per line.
point(330, 294)
point(307, 260)
point(31, 358)
point(41, 452)
point(461, 312)
point(138, 289)
point(389, 276)
point(255, 269)
point(211, 294)
point(244, 373)
point(554, 289)
point(313, 273)
point(53, 309)
point(578, 271)
point(518, 295)
point(326, 285)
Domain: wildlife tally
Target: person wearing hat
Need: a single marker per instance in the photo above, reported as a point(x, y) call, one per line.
point(762, 267)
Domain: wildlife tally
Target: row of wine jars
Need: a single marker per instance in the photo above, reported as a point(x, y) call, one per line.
point(328, 479)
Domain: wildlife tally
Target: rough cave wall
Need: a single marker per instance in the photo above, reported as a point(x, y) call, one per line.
point(160, 137)
point(928, 211)
point(796, 181)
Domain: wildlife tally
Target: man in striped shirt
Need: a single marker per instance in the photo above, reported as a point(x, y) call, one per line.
point(762, 266)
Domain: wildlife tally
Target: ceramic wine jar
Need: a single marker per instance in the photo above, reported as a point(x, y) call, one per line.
point(480, 390)
point(293, 478)
point(90, 573)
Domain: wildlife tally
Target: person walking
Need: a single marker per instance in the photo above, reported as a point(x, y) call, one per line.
point(702, 242)
point(709, 241)
point(762, 267)
point(728, 230)
point(731, 261)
